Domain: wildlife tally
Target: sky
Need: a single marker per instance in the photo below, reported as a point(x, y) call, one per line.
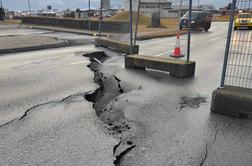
point(83, 4)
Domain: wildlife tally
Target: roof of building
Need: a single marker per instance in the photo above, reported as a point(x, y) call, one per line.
point(208, 7)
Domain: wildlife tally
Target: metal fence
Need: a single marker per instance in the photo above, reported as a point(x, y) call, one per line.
point(237, 69)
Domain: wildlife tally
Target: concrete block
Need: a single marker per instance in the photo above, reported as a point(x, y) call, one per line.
point(232, 101)
point(82, 24)
point(177, 68)
point(115, 44)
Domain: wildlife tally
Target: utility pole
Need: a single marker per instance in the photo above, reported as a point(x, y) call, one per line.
point(159, 9)
point(89, 19)
point(3, 11)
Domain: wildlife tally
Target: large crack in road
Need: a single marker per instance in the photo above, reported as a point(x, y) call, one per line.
point(110, 88)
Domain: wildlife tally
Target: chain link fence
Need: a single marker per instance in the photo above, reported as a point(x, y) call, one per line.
point(237, 70)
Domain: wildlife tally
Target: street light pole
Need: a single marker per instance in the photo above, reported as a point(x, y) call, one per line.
point(131, 27)
point(29, 5)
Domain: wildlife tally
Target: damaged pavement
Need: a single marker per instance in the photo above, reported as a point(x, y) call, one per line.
point(121, 117)
point(171, 127)
point(128, 123)
point(169, 121)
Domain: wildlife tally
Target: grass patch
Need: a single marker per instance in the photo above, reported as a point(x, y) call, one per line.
point(221, 18)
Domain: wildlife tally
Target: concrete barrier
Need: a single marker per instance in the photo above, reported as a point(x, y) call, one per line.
point(177, 68)
point(232, 101)
point(115, 44)
point(106, 25)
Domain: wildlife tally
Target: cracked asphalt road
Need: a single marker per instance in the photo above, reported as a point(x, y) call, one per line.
point(37, 126)
point(32, 78)
point(171, 119)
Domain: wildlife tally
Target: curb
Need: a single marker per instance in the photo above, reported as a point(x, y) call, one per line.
point(74, 31)
point(147, 37)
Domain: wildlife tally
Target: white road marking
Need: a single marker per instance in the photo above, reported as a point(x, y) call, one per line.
point(163, 53)
point(214, 38)
point(80, 62)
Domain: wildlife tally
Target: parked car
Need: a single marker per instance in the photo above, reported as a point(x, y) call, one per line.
point(200, 19)
point(243, 20)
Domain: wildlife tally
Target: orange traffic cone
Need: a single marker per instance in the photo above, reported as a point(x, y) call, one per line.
point(177, 51)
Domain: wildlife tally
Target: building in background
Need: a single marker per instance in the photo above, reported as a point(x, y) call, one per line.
point(10, 15)
point(149, 7)
point(83, 14)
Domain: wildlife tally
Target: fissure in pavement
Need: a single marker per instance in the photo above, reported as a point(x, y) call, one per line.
point(110, 88)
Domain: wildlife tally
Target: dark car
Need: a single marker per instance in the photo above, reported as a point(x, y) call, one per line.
point(2, 13)
point(200, 19)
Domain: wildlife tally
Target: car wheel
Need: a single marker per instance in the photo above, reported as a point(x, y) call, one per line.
point(206, 29)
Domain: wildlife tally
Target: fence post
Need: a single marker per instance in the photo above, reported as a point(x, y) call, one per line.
point(189, 31)
point(100, 18)
point(180, 12)
point(137, 21)
point(230, 29)
point(89, 19)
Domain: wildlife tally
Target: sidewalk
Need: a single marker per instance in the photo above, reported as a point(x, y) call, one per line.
point(11, 44)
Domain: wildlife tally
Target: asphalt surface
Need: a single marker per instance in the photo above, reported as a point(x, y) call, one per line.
point(36, 122)
point(170, 118)
point(18, 39)
point(173, 119)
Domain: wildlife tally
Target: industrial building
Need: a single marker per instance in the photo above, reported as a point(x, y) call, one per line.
point(148, 7)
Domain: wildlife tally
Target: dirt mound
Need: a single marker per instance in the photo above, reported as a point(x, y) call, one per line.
point(124, 16)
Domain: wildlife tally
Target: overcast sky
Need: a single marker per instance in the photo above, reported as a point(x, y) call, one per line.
point(73, 4)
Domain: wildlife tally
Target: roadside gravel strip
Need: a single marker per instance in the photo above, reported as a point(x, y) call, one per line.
point(12, 44)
